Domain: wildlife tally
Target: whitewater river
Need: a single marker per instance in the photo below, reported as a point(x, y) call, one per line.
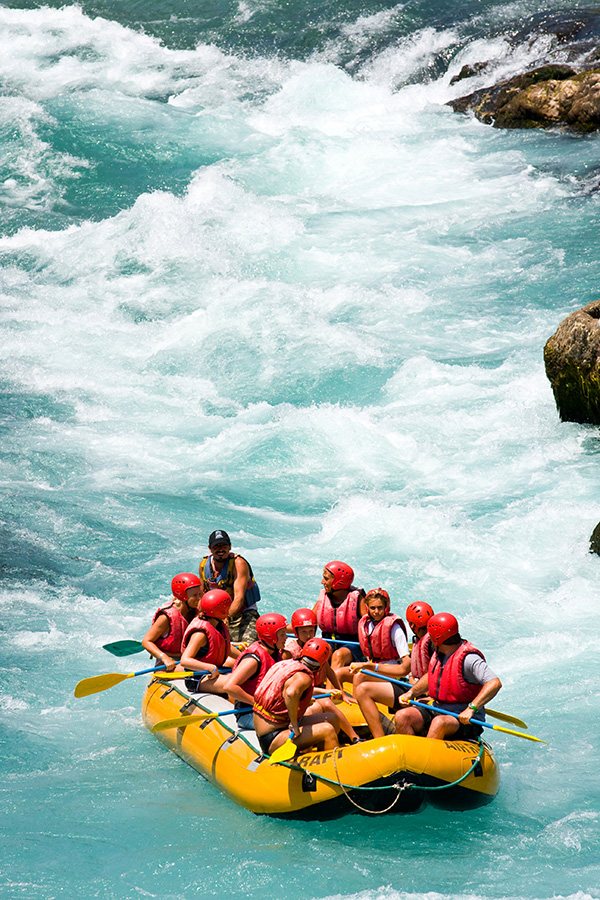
point(255, 274)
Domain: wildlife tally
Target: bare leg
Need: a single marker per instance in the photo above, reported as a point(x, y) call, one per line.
point(324, 704)
point(345, 674)
point(443, 727)
point(341, 657)
point(314, 729)
point(368, 694)
point(409, 721)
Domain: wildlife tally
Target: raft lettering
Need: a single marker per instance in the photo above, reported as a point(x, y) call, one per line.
point(317, 760)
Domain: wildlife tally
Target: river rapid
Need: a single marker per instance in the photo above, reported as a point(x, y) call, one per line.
point(255, 274)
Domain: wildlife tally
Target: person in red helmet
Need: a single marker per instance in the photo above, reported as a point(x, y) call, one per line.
point(163, 638)
point(339, 608)
point(458, 679)
point(383, 640)
point(252, 664)
point(232, 573)
point(418, 615)
point(206, 644)
point(304, 623)
point(283, 697)
point(304, 626)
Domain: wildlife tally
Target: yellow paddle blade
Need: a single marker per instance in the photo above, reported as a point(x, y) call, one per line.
point(99, 683)
point(283, 753)
point(527, 737)
point(182, 721)
point(504, 717)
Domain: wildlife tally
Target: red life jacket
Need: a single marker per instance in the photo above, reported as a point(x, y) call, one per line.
point(420, 656)
point(265, 662)
point(448, 684)
point(268, 698)
point(171, 641)
point(339, 620)
point(218, 641)
point(292, 645)
point(378, 645)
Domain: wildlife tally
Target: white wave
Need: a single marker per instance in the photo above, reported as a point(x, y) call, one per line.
point(389, 893)
point(46, 53)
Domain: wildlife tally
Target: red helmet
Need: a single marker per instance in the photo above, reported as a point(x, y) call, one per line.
point(418, 614)
point(303, 618)
point(318, 650)
point(343, 575)
point(216, 603)
point(441, 627)
point(379, 592)
point(268, 625)
point(182, 582)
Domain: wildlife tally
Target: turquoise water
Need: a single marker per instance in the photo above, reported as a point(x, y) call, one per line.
point(256, 275)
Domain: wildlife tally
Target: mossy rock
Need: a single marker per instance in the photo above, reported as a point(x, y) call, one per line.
point(572, 361)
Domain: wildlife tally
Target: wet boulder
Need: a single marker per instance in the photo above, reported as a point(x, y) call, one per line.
point(595, 540)
point(562, 89)
point(572, 360)
point(553, 95)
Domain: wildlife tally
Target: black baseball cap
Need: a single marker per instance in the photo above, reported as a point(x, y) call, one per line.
point(218, 537)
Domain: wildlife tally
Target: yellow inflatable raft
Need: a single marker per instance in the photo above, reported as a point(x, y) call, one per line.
point(396, 772)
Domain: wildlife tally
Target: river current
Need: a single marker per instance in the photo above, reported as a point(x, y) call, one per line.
point(255, 274)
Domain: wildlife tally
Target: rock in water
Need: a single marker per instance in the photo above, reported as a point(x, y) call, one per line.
point(562, 89)
point(572, 359)
point(595, 540)
point(548, 96)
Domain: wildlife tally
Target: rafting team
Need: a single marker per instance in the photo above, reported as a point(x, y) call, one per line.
point(212, 628)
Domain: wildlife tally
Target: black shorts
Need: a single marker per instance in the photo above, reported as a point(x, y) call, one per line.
point(398, 691)
point(192, 683)
point(265, 740)
point(468, 732)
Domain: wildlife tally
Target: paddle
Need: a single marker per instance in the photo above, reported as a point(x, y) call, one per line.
point(333, 641)
point(128, 647)
point(123, 648)
point(285, 752)
point(182, 721)
point(99, 683)
point(174, 676)
point(527, 737)
point(446, 712)
point(502, 717)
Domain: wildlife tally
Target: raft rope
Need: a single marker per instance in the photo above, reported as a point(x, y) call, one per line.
point(399, 787)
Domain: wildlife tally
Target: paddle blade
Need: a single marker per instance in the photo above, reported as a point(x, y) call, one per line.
point(123, 648)
point(504, 717)
point(98, 683)
point(181, 722)
point(527, 737)
point(283, 753)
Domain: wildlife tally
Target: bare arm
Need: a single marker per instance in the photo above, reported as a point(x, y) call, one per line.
point(293, 690)
point(188, 657)
point(242, 577)
point(487, 692)
point(232, 685)
point(157, 630)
